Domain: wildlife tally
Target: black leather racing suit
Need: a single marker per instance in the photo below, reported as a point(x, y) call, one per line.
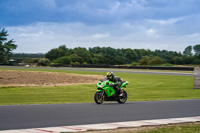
point(117, 83)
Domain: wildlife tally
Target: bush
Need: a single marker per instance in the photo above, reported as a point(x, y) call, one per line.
point(64, 60)
point(75, 63)
point(144, 60)
point(155, 61)
point(168, 64)
point(44, 62)
point(30, 60)
point(177, 60)
point(134, 64)
point(75, 58)
point(196, 62)
point(85, 63)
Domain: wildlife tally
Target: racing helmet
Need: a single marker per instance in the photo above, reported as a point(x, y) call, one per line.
point(109, 75)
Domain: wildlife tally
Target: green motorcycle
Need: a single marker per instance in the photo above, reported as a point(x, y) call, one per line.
point(106, 92)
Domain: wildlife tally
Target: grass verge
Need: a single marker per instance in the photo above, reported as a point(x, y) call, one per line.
point(143, 87)
point(172, 128)
point(187, 128)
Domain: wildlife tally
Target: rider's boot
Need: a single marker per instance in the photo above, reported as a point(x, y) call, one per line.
point(120, 92)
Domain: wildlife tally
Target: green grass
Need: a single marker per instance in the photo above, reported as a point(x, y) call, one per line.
point(186, 128)
point(172, 128)
point(143, 87)
point(46, 95)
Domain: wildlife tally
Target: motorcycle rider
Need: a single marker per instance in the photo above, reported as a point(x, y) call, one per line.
point(117, 82)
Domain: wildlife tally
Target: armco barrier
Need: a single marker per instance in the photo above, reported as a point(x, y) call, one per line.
point(138, 67)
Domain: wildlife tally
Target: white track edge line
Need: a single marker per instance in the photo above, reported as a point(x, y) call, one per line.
point(105, 126)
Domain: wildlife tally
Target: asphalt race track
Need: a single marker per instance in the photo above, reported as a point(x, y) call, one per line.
point(51, 115)
point(101, 70)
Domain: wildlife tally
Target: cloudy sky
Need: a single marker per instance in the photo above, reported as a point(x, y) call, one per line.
point(37, 26)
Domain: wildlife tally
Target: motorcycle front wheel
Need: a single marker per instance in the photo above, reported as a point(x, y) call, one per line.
point(123, 98)
point(98, 97)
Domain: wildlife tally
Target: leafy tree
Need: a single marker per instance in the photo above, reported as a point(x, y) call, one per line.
point(54, 54)
point(188, 51)
point(98, 59)
point(170, 57)
point(138, 54)
point(187, 59)
point(57, 52)
point(197, 49)
point(144, 60)
point(196, 62)
point(62, 60)
point(119, 60)
point(25, 55)
point(155, 61)
point(109, 55)
point(177, 60)
point(144, 52)
point(44, 62)
point(63, 48)
point(96, 50)
point(163, 54)
point(6, 47)
point(130, 55)
point(84, 54)
point(75, 58)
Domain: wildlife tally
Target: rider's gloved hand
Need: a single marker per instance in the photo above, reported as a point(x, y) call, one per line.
point(109, 83)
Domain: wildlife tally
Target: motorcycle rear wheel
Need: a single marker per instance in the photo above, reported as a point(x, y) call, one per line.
point(98, 97)
point(123, 98)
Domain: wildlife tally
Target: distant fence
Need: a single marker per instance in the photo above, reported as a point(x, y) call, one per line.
point(138, 67)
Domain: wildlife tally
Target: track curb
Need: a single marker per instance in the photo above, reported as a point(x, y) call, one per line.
point(106, 126)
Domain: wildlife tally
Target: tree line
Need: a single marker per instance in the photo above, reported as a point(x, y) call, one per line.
point(111, 56)
point(27, 55)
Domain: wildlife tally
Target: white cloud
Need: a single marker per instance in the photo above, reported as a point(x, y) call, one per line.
point(194, 35)
point(115, 6)
point(42, 37)
point(170, 21)
point(48, 4)
point(151, 32)
point(31, 35)
point(101, 35)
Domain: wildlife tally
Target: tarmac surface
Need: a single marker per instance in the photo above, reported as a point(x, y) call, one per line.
point(51, 115)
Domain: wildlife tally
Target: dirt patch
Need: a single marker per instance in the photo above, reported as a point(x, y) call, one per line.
point(30, 78)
